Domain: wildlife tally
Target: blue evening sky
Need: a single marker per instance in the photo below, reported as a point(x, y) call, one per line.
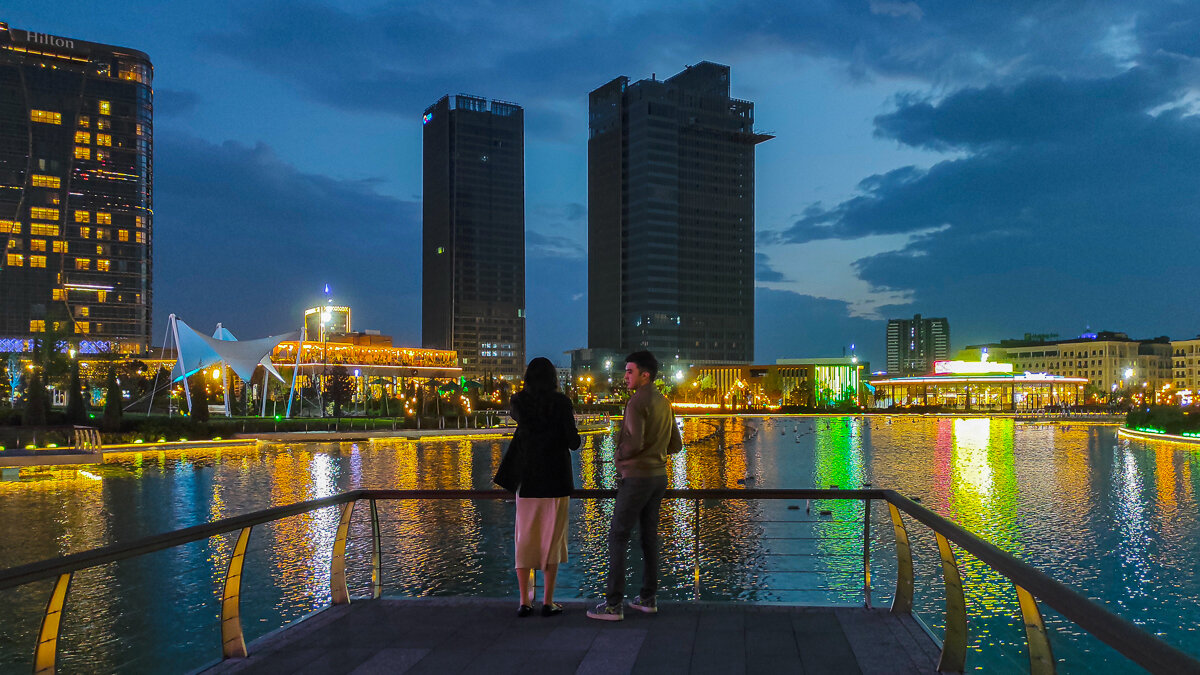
point(1016, 167)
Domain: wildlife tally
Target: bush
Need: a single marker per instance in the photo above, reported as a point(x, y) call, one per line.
point(1165, 418)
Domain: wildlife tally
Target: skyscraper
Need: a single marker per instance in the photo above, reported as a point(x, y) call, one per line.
point(914, 344)
point(76, 179)
point(473, 242)
point(671, 217)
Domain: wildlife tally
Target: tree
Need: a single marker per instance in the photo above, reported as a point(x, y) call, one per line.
point(199, 411)
point(76, 405)
point(339, 388)
point(37, 401)
point(113, 404)
point(773, 386)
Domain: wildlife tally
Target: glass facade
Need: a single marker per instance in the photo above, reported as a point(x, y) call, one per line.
point(473, 234)
point(671, 217)
point(76, 189)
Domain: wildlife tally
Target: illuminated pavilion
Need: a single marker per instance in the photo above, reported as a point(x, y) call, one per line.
point(980, 385)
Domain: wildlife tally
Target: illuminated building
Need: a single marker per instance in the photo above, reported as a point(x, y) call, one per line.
point(473, 241)
point(326, 320)
point(75, 191)
point(914, 344)
point(671, 218)
point(810, 382)
point(1110, 361)
point(1185, 357)
point(980, 385)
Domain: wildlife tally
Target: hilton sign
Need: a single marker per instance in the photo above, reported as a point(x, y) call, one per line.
point(47, 40)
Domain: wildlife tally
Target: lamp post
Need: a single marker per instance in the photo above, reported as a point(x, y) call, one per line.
point(325, 314)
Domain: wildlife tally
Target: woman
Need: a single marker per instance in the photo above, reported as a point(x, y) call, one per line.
point(539, 463)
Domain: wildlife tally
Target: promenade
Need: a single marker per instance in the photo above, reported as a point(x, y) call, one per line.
point(465, 635)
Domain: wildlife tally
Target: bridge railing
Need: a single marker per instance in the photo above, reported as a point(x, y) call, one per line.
point(1032, 586)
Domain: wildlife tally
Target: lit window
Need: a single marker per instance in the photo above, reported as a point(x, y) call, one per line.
point(123, 235)
point(37, 244)
point(43, 213)
point(9, 227)
point(139, 130)
point(101, 233)
point(103, 123)
point(43, 229)
point(85, 232)
point(37, 326)
point(46, 181)
point(141, 221)
point(102, 265)
point(58, 294)
point(45, 116)
point(83, 216)
point(81, 310)
point(104, 218)
point(101, 155)
point(83, 263)
point(99, 250)
point(141, 237)
point(82, 152)
point(37, 261)
point(105, 107)
point(103, 139)
point(82, 327)
point(14, 243)
point(83, 137)
point(84, 121)
point(101, 296)
point(16, 260)
point(59, 246)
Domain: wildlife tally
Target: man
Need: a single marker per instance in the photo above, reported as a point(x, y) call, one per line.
point(648, 435)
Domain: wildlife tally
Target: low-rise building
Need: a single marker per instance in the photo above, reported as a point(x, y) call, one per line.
point(1110, 361)
point(1185, 362)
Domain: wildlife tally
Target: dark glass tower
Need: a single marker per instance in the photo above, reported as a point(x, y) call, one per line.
point(914, 344)
point(473, 243)
point(671, 217)
point(76, 185)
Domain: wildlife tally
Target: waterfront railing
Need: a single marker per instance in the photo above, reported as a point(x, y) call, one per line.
point(1032, 586)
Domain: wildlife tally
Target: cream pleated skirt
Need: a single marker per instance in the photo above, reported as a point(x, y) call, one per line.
point(541, 534)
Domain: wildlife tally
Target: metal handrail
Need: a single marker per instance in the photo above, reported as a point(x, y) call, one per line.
point(1139, 646)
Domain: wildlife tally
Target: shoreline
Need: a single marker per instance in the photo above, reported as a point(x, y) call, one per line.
point(51, 458)
point(1162, 438)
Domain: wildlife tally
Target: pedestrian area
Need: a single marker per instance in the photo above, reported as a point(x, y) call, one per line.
point(465, 635)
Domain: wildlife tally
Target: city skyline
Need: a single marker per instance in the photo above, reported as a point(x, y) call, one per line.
point(1009, 180)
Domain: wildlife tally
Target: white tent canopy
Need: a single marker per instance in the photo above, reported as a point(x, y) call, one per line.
point(196, 351)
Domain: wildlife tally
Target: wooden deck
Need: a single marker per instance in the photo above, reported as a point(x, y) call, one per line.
point(467, 635)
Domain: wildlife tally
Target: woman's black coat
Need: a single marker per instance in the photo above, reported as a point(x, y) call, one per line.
point(545, 436)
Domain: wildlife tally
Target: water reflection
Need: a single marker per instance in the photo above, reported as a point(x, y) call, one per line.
point(1115, 520)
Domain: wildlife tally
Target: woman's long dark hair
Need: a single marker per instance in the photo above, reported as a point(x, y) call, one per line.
point(540, 377)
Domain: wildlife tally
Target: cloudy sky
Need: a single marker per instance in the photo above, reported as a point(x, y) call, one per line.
point(1016, 167)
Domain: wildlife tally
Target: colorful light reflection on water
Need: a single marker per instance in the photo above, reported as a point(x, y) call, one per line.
point(1116, 520)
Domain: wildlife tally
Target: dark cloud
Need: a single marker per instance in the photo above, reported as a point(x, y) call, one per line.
point(791, 325)
point(174, 102)
point(763, 270)
point(244, 238)
point(398, 58)
point(1074, 203)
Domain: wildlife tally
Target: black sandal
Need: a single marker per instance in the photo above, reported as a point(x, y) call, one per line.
point(553, 609)
point(524, 611)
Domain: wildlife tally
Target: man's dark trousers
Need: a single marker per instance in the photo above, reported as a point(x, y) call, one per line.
point(638, 503)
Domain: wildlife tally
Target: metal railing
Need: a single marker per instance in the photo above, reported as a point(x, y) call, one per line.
point(1031, 585)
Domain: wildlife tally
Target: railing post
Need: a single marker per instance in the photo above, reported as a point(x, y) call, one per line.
point(376, 554)
point(1041, 658)
point(696, 548)
point(902, 601)
point(233, 643)
point(46, 650)
point(954, 643)
point(337, 565)
point(867, 552)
